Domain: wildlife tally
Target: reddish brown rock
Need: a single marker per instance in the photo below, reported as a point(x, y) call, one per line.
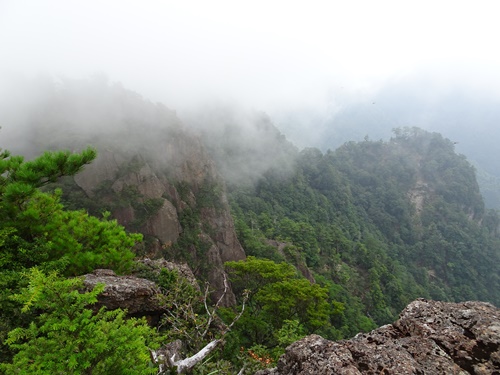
point(429, 338)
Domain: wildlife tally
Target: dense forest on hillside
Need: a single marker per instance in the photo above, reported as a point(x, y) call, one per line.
point(469, 118)
point(381, 222)
point(334, 242)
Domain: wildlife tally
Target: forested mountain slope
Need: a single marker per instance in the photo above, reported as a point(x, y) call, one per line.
point(384, 222)
point(388, 221)
point(337, 242)
point(463, 113)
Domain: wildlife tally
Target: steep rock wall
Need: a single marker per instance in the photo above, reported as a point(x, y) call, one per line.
point(142, 192)
point(152, 173)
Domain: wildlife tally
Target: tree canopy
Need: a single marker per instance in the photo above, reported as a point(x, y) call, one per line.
point(37, 231)
point(68, 337)
point(382, 222)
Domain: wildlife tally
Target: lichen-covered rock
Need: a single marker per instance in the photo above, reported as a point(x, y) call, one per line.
point(430, 337)
point(138, 296)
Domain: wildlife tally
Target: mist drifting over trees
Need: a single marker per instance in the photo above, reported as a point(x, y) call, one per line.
point(315, 166)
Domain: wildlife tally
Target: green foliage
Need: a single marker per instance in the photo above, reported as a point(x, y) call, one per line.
point(186, 317)
point(290, 332)
point(68, 337)
point(254, 242)
point(376, 224)
point(197, 234)
point(42, 232)
point(253, 274)
point(190, 318)
point(213, 366)
point(209, 195)
point(85, 241)
point(351, 216)
point(191, 246)
point(289, 299)
point(45, 233)
point(36, 230)
point(277, 295)
point(19, 179)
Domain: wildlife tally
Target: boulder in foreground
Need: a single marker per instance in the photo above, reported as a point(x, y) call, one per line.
point(429, 337)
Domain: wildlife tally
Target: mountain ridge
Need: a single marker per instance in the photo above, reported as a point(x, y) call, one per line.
point(371, 225)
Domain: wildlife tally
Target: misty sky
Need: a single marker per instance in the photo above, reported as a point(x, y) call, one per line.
point(268, 55)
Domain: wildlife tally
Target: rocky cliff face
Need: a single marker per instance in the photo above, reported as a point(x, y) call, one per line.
point(170, 191)
point(429, 338)
point(152, 173)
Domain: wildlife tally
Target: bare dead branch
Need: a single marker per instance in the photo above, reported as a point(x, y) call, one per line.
point(212, 314)
point(246, 293)
point(187, 364)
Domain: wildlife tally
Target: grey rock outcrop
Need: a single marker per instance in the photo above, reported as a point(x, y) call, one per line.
point(133, 175)
point(429, 338)
point(137, 295)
